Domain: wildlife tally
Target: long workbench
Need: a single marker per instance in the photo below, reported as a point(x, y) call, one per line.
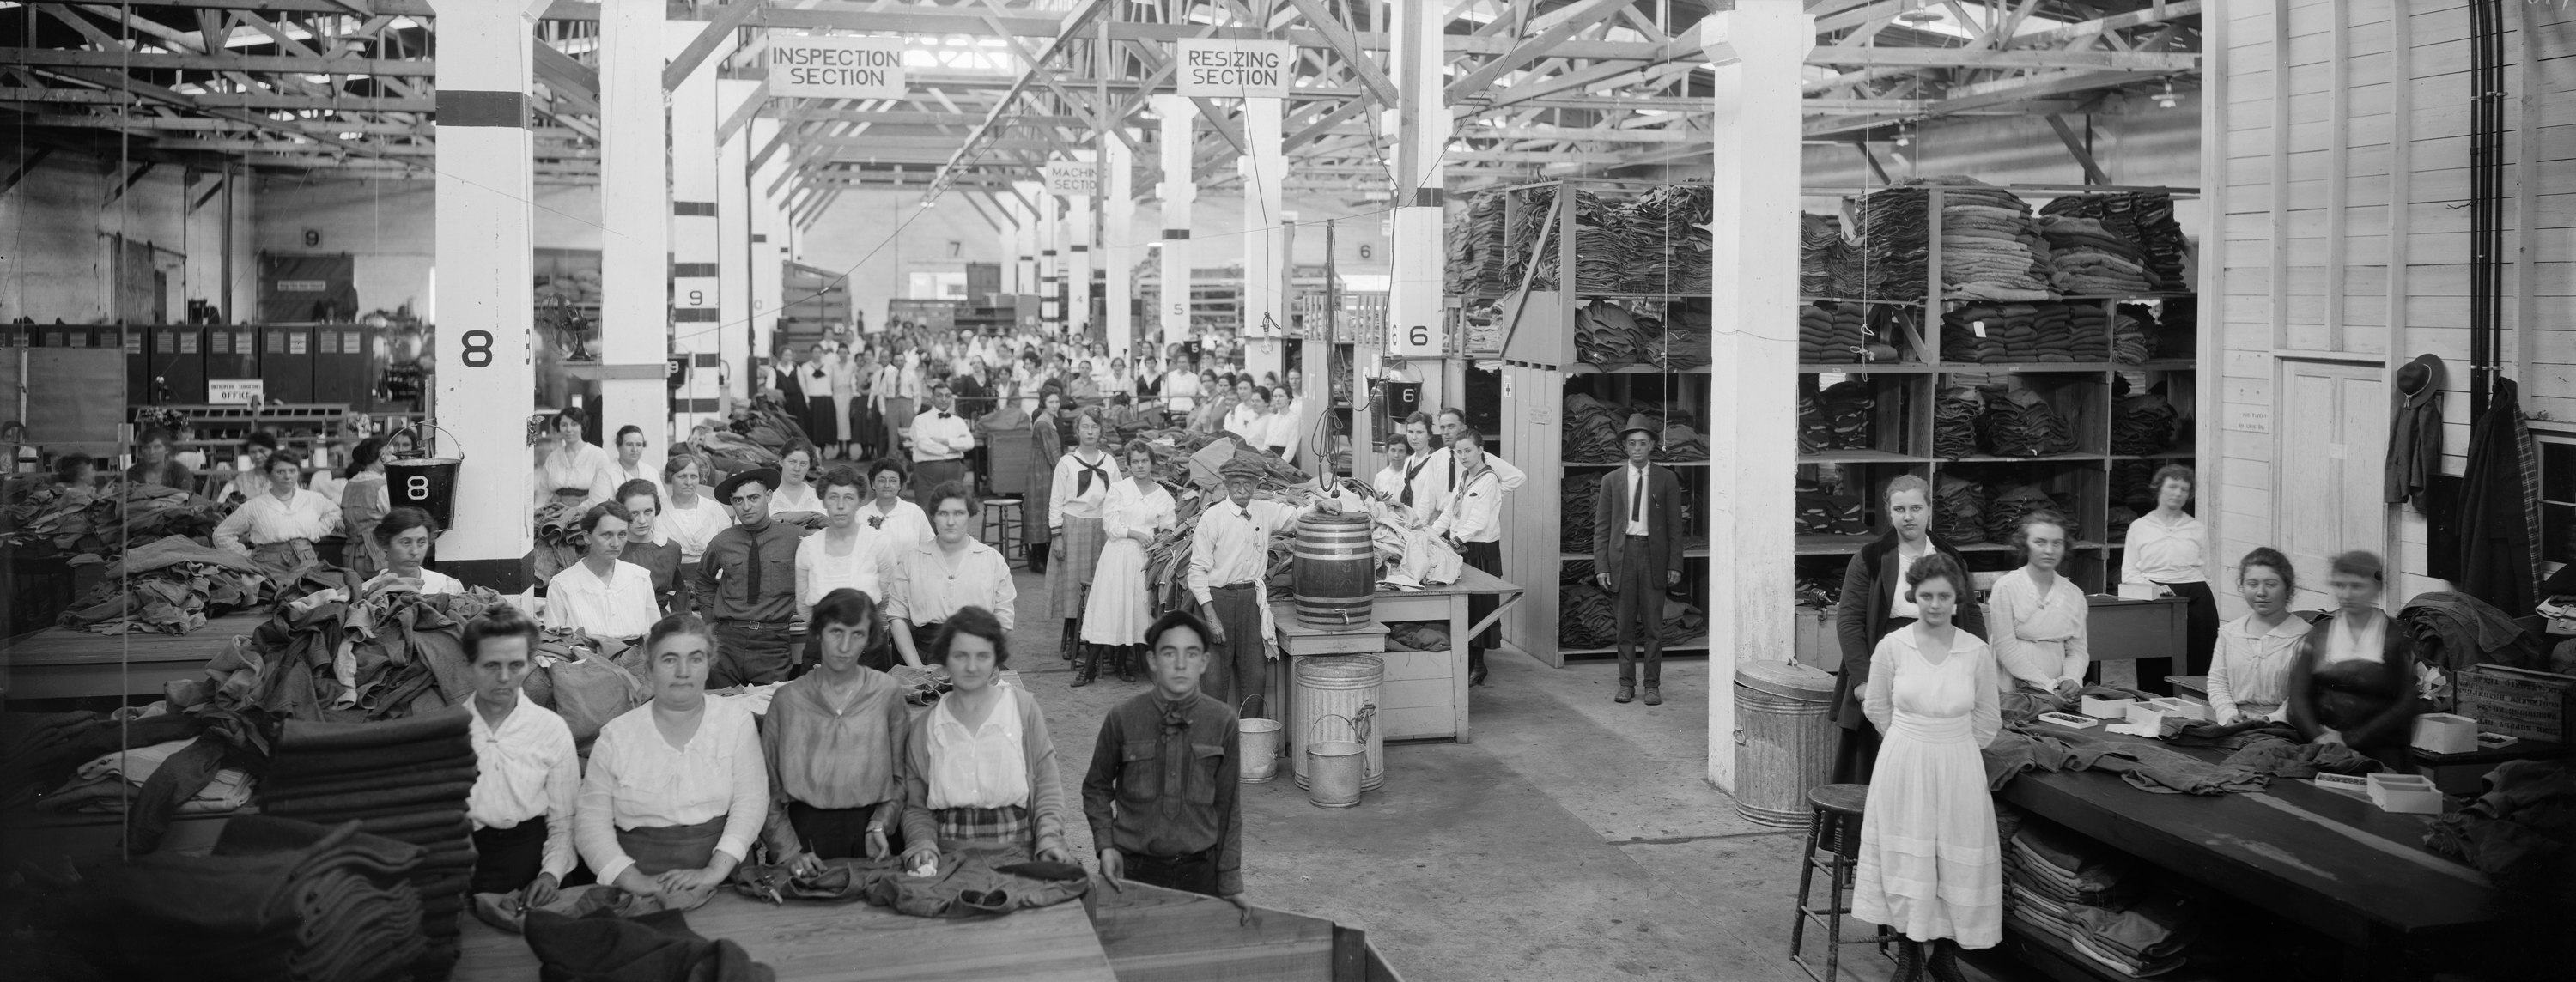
point(61, 663)
point(2332, 863)
point(850, 942)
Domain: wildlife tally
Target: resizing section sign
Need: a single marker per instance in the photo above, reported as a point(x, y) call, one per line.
point(836, 67)
point(1224, 68)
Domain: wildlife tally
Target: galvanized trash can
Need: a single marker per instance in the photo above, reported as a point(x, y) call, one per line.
point(1783, 742)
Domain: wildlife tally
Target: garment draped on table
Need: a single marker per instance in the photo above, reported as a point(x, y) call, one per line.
point(656, 947)
point(969, 883)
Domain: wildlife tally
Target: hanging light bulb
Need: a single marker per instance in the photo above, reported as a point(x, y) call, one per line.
point(2165, 99)
point(1904, 135)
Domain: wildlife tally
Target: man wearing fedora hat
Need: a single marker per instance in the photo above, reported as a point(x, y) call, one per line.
point(1637, 554)
point(746, 585)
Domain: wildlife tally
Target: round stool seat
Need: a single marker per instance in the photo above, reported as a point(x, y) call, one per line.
point(1844, 799)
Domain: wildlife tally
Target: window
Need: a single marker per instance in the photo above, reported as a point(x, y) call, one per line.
point(2557, 501)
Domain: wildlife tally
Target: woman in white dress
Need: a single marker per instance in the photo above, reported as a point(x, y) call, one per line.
point(2164, 555)
point(1930, 865)
point(795, 492)
point(1082, 481)
point(629, 465)
point(690, 517)
point(601, 595)
point(2249, 677)
point(844, 377)
point(849, 553)
point(1122, 600)
point(2037, 616)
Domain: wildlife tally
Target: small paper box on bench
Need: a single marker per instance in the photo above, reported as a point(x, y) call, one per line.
point(2190, 709)
point(2446, 733)
point(2069, 720)
point(2411, 794)
point(2108, 708)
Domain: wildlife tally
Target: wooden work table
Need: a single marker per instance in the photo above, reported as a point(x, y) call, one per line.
point(61, 663)
point(2332, 863)
point(852, 942)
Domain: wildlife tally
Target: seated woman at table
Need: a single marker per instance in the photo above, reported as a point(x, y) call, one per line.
point(405, 534)
point(602, 595)
point(2038, 615)
point(848, 553)
point(526, 774)
point(645, 545)
point(676, 790)
point(156, 465)
point(834, 741)
point(2353, 681)
point(690, 516)
point(278, 528)
point(927, 583)
point(2250, 674)
point(980, 770)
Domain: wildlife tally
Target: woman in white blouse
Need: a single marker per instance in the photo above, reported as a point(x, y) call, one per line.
point(574, 471)
point(2037, 616)
point(1474, 524)
point(601, 595)
point(1121, 605)
point(2249, 677)
point(2166, 554)
point(903, 522)
point(278, 528)
point(629, 465)
point(1082, 482)
point(847, 553)
point(690, 517)
point(981, 768)
point(676, 791)
point(406, 534)
point(795, 494)
point(927, 583)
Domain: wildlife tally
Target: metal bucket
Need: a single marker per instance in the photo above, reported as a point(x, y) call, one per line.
point(1334, 767)
point(1260, 747)
point(1347, 686)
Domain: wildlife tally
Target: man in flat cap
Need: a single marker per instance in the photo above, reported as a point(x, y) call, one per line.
point(1637, 554)
point(1229, 566)
point(746, 585)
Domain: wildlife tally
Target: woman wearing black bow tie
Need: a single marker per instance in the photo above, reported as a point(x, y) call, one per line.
point(1082, 480)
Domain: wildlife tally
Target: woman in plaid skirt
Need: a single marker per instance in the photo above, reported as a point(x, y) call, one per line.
point(981, 771)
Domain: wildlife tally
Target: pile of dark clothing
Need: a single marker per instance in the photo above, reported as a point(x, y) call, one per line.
point(1834, 334)
point(176, 586)
point(2276, 749)
point(42, 756)
point(1819, 591)
point(2047, 332)
point(392, 654)
point(1586, 619)
point(2090, 897)
point(767, 423)
point(1991, 248)
point(1954, 421)
point(729, 453)
point(121, 782)
point(2144, 218)
point(2086, 259)
point(1668, 241)
point(2116, 527)
point(1476, 261)
point(2144, 424)
point(1575, 503)
point(558, 542)
point(2026, 746)
point(1894, 228)
point(1689, 339)
point(2520, 830)
point(2022, 424)
point(2133, 335)
point(1592, 431)
point(1844, 412)
point(1680, 443)
point(101, 521)
point(2130, 484)
point(966, 884)
point(2455, 630)
point(277, 900)
point(1827, 262)
point(656, 947)
point(2004, 513)
point(1822, 512)
point(405, 780)
point(1958, 510)
point(1417, 636)
point(1611, 335)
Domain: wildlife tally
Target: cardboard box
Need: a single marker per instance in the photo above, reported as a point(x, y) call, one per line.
point(2406, 794)
point(2446, 733)
point(2190, 709)
point(2069, 721)
point(2107, 708)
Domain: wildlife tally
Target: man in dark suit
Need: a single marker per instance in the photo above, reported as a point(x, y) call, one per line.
point(1637, 555)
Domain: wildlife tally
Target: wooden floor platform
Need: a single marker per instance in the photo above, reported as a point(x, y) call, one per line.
point(61, 663)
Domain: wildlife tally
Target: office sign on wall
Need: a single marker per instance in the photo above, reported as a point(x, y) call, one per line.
point(1223, 68)
point(836, 67)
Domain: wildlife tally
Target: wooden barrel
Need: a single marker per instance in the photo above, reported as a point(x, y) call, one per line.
point(1783, 743)
point(1343, 687)
point(1336, 570)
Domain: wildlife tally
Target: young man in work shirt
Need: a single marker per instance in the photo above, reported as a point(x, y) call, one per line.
point(746, 585)
point(1162, 791)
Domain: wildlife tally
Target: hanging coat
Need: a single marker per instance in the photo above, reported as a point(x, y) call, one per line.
point(2415, 433)
point(2500, 508)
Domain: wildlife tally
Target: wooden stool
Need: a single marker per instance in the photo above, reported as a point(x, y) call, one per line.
point(1835, 830)
point(1002, 528)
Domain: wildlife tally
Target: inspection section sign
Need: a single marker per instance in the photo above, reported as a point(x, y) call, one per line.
point(836, 67)
point(1219, 68)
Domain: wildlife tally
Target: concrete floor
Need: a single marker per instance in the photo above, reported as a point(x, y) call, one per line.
point(1575, 839)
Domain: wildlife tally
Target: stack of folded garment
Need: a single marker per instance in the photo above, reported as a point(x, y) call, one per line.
point(1822, 253)
point(1847, 408)
point(2052, 334)
point(1974, 333)
point(1575, 502)
point(1604, 251)
point(117, 782)
point(277, 900)
point(1610, 335)
point(2090, 327)
point(1990, 247)
point(1958, 510)
point(1681, 444)
point(1813, 434)
point(2144, 424)
point(1668, 230)
point(2133, 336)
point(2092, 900)
point(2086, 259)
point(1954, 422)
point(1592, 431)
point(404, 779)
point(1690, 339)
point(1894, 227)
point(1821, 512)
point(2021, 424)
point(1585, 618)
point(1476, 255)
point(2117, 527)
point(2177, 328)
point(1832, 334)
point(2129, 484)
point(2144, 218)
point(2004, 513)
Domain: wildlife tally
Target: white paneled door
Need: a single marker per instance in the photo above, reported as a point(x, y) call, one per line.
point(2333, 444)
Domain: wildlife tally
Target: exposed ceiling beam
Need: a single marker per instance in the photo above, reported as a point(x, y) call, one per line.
point(223, 100)
point(2134, 61)
point(722, 25)
point(1580, 15)
point(157, 61)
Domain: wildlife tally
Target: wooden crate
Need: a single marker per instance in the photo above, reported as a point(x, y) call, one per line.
point(2516, 702)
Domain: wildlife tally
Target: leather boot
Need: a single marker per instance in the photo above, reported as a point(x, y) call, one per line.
point(1072, 646)
point(1909, 961)
point(1128, 657)
point(1475, 666)
point(1943, 964)
point(1038, 557)
point(1086, 665)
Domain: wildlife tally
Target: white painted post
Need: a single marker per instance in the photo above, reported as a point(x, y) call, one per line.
point(1265, 289)
point(1118, 243)
point(772, 244)
point(634, 275)
point(738, 255)
point(1422, 131)
point(1758, 49)
point(485, 290)
point(1077, 264)
point(1176, 192)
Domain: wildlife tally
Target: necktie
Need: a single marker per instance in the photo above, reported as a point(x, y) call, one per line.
point(1408, 480)
point(753, 595)
point(943, 414)
point(1637, 507)
point(1082, 480)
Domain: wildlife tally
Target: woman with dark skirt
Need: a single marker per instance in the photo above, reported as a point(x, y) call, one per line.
point(676, 791)
point(526, 773)
point(1874, 603)
point(1473, 520)
point(833, 739)
point(2353, 681)
point(1080, 486)
point(2166, 554)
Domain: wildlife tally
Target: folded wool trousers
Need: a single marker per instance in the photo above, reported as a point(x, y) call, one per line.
point(409, 823)
point(426, 755)
point(1638, 604)
point(355, 783)
point(290, 804)
point(305, 735)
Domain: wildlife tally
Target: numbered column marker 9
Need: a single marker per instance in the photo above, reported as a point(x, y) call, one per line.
point(694, 292)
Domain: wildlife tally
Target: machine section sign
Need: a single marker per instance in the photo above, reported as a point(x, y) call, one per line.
point(836, 67)
point(1221, 68)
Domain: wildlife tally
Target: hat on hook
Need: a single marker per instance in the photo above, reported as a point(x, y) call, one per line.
point(2420, 381)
